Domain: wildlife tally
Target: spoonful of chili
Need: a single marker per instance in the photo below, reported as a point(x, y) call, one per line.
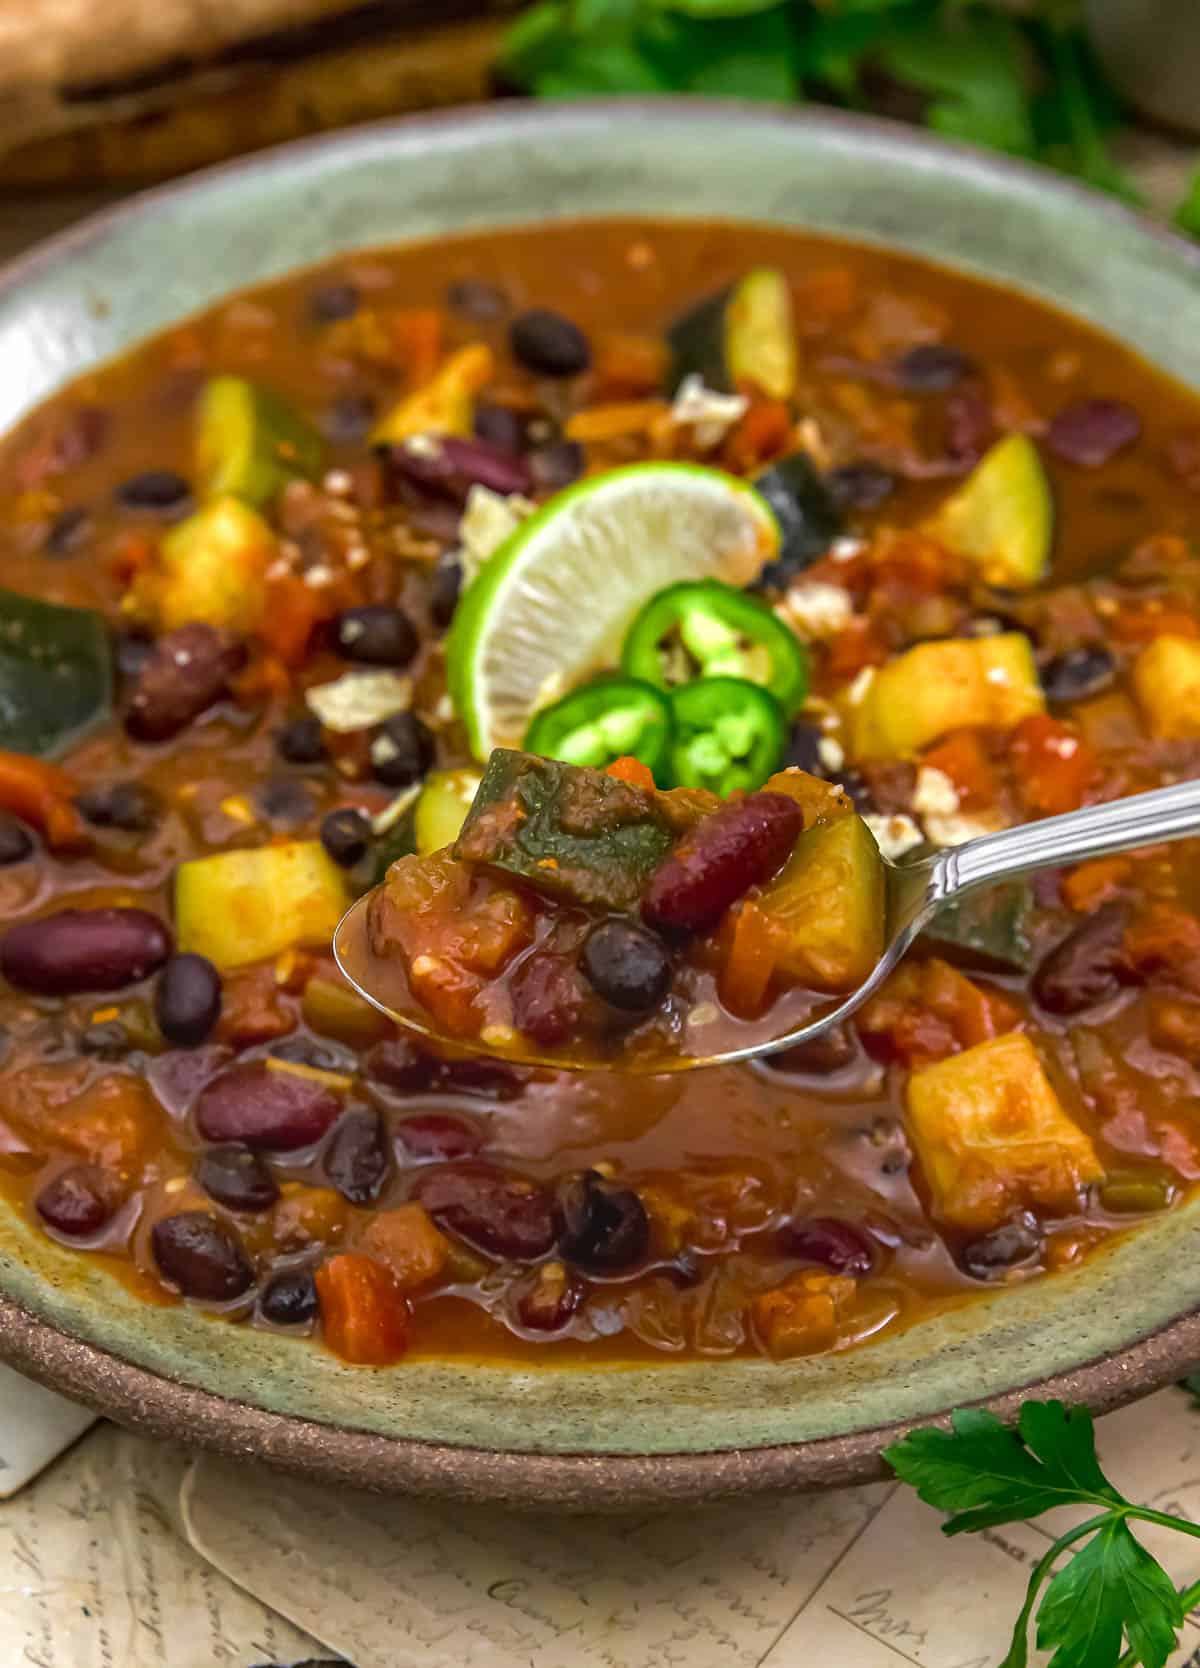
point(584, 920)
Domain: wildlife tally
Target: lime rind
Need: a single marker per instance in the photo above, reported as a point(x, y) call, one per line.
point(554, 602)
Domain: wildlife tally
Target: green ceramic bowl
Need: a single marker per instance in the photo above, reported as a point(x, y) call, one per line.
point(1119, 1326)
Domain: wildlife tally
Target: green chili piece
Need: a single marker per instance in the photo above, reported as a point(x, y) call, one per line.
point(729, 734)
point(605, 720)
point(705, 629)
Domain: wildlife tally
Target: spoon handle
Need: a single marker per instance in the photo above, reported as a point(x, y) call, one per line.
point(1144, 819)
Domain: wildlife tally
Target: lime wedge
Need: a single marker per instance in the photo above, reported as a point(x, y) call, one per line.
point(553, 604)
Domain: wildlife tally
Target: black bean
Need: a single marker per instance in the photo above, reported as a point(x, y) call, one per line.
point(556, 465)
point(285, 802)
point(627, 966)
point(477, 300)
point(1078, 673)
point(1090, 432)
point(78, 1202)
point(444, 588)
point(500, 426)
point(804, 748)
point(402, 750)
point(346, 836)
point(546, 996)
point(931, 368)
point(68, 531)
point(187, 999)
point(836, 1245)
point(290, 1299)
point(356, 1159)
point(189, 670)
point(349, 419)
point(130, 806)
point(300, 1050)
point(201, 1256)
point(860, 486)
point(605, 1227)
point(1087, 966)
point(107, 1039)
point(1008, 1247)
point(301, 740)
point(548, 343)
point(334, 301)
point(154, 489)
point(236, 1178)
point(16, 842)
point(376, 635)
point(76, 950)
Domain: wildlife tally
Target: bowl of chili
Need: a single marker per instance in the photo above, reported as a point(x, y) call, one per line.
point(215, 728)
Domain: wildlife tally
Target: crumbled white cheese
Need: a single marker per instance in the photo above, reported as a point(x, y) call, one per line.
point(997, 674)
point(935, 794)
point(816, 609)
point(387, 819)
point(710, 415)
point(894, 835)
point(857, 692)
point(318, 576)
point(846, 548)
point(339, 483)
point(423, 446)
point(1066, 747)
point(357, 700)
point(831, 753)
point(486, 522)
point(958, 827)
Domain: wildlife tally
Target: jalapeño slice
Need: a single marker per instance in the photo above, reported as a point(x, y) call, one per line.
point(604, 721)
point(729, 734)
point(706, 629)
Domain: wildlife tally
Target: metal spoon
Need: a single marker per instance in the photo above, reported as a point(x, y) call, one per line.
point(915, 891)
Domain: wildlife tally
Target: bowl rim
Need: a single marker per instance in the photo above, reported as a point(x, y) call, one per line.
point(170, 1408)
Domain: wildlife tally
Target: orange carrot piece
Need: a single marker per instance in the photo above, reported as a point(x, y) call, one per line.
point(292, 614)
point(1052, 765)
point(763, 433)
point(750, 964)
point(418, 333)
point(629, 769)
point(1096, 883)
point(630, 364)
point(42, 794)
point(963, 758)
point(614, 422)
point(364, 1315)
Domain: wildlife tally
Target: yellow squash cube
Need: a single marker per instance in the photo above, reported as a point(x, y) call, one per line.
point(938, 687)
point(1166, 681)
point(244, 906)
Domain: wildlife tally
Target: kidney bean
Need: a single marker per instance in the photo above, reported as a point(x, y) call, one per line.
point(440, 1135)
point(860, 486)
point(549, 344)
point(1077, 674)
point(547, 998)
point(236, 1178)
point(970, 425)
point(378, 634)
point(267, 1108)
point(177, 1077)
point(16, 842)
point(68, 531)
point(626, 965)
point(400, 1063)
point(500, 426)
point(129, 806)
point(994, 1254)
point(556, 464)
point(455, 465)
point(76, 950)
point(356, 1159)
point(736, 848)
point(78, 1202)
point(1090, 432)
point(483, 1079)
point(605, 1226)
point(154, 489)
point(549, 1298)
point(931, 368)
point(1087, 966)
point(201, 1256)
point(836, 1245)
point(290, 1299)
point(189, 670)
point(497, 1213)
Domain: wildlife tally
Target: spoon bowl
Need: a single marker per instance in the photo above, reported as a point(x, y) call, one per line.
point(914, 892)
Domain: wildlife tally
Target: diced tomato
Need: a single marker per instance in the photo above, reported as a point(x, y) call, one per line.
point(293, 612)
point(930, 1010)
point(43, 795)
point(749, 962)
point(251, 1007)
point(856, 647)
point(1095, 883)
point(1164, 940)
point(763, 433)
point(629, 364)
point(1053, 767)
point(631, 770)
point(1143, 622)
point(963, 758)
point(364, 1315)
point(418, 334)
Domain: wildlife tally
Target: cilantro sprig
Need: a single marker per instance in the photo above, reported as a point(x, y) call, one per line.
point(1110, 1604)
point(1015, 75)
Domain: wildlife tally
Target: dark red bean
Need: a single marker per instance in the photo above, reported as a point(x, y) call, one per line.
point(290, 1299)
point(334, 301)
point(236, 1178)
point(268, 1108)
point(736, 848)
point(990, 1257)
point(378, 634)
point(932, 368)
point(450, 467)
point(159, 490)
point(78, 1202)
point(497, 1213)
point(970, 426)
point(483, 1079)
point(16, 842)
point(438, 1135)
point(1091, 432)
point(605, 1227)
point(402, 750)
point(187, 999)
point(549, 344)
point(1086, 967)
point(547, 998)
point(76, 950)
point(860, 486)
point(357, 1159)
point(403, 1065)
point(500, 426)
point(178, 1077)
point(548, 1299)
point(201, 1256)
point(189, 670)
point(129, 806)
point(626, 965)
point(838, 1246)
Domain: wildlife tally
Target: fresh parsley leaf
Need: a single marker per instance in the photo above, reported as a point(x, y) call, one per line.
point(721, 8)
point(1187, 218)
point(974, 65)
point(1110, 1590)
point(748, 57)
